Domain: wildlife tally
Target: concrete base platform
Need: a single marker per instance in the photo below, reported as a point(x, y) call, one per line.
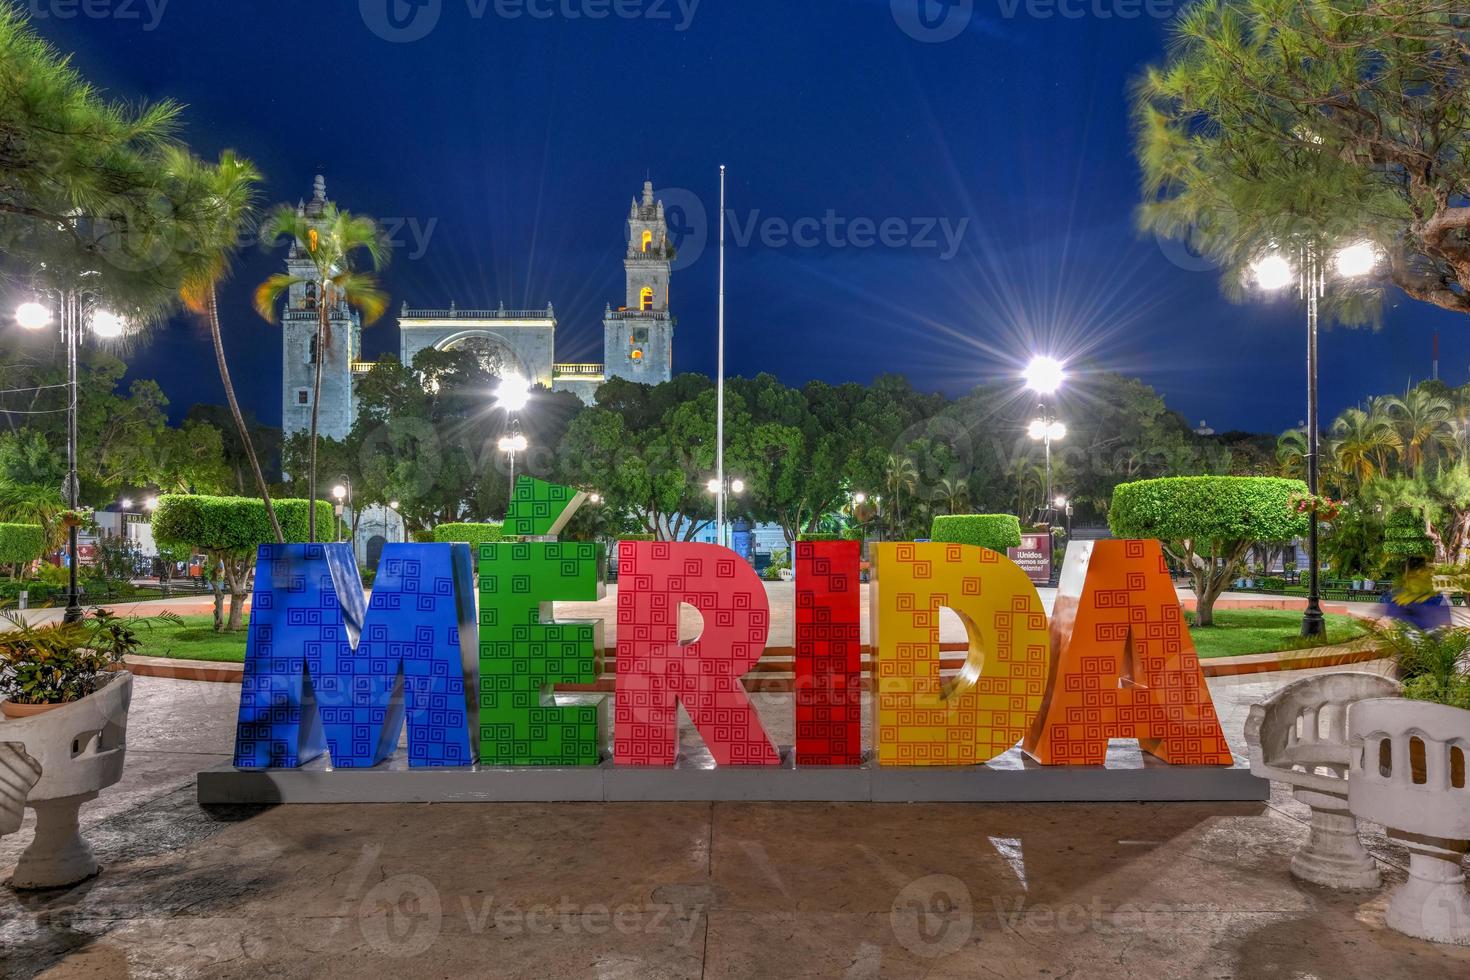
point(1129, 776)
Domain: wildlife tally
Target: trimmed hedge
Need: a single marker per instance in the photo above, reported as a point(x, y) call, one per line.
point(470, 534)
point(1404, 537)
point(637, 537)
point(994, 531)
point(21, 543)
point(819, 536)
point(1208, 508)
point(234, 526)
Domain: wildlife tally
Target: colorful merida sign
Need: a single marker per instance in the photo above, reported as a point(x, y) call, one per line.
point(327, 671)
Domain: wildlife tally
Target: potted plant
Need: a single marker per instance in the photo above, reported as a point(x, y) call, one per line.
point(66, 704)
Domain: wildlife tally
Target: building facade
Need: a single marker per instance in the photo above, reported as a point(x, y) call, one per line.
point(638, 335)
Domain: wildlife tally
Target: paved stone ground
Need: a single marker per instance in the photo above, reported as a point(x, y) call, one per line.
point(686, 890)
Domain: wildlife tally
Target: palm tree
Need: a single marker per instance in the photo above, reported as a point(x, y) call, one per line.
point(1291, 454)
point(954, 494)
point(1425, 423)
point(329, 238)
point(900, 476)
point(1361, 444)
point(30, 503)
point(231, 186)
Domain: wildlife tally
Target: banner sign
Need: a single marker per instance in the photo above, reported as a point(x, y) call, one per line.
point(328, 672)
point(1034, 556)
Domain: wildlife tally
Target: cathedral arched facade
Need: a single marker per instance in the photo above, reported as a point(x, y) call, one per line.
point(638, 334)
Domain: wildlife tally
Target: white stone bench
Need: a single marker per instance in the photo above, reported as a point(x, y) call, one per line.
point(1299, 736)
point(1408, 773)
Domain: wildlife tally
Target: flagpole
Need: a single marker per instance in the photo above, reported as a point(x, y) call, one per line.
point(720, 384)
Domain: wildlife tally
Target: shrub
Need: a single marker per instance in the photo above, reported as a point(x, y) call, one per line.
point(231, 530)
point(21, 544)
point(473, 535)
point(1404, 537)
point(1208, 523)
point(1272, 584)
point(1455, 692)
point(994, 531)
point(637, 537)
point(819, 536)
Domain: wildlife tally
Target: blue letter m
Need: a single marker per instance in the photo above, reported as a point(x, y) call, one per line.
point(327, 670)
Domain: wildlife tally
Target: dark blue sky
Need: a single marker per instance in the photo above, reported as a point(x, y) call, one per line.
point(512, 145)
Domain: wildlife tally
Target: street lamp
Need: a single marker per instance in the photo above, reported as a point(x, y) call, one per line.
point(1047, 430)
point(510, 445)
point(1276, 270)
point(721, 489)
point(402, 527)
point(340, 493)
point(1045, 375)
point(77, 307)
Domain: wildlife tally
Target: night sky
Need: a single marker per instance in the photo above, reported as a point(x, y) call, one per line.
point(506, 149)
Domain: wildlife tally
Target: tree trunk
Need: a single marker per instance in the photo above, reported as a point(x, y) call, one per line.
point(316, 403)
point(237, 609)
point(245, 440)
point(218, 588)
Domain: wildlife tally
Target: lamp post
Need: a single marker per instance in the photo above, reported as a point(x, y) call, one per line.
point(720, 480)
point(76, 306)
point(343, 493)
point(1276, 270)
point(722, 489)
point(513, 395)
point(402, 527)
point(1045, 376)
point(510, 445)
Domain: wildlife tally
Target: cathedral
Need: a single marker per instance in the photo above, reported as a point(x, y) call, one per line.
point(638, 334)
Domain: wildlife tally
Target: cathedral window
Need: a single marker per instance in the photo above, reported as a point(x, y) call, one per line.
point(311, 296)
point(645, 302)
point(648, 241)
point(311, 354)
point(303, 396)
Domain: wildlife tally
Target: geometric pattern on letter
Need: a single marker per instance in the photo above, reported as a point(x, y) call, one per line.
point(524, 654)
point(828, 654)
point(1125, 666)
point(539, 509)
point(919, 718)
point(316, 655)
point(656, 673)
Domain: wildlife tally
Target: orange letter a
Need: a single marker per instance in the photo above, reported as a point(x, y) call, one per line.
point(1125, 666)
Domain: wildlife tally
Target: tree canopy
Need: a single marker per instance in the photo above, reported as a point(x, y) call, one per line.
point(1282, 123)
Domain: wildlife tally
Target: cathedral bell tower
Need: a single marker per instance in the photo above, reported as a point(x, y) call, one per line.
point(639, 336)
point(299, 345)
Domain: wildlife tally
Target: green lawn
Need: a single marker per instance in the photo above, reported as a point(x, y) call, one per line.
point(1236, 632)
point(193, 639)
point(1242, 631)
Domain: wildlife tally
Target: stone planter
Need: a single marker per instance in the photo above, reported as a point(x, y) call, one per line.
point(1408, 773)
point(11, 709)
point(1299, 736)
point(80, 748)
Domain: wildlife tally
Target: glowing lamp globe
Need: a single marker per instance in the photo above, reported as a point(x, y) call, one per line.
point(1273, 272)
point(1045, 375)
point(1056, 431)
point(1037, 429)
point(108, 325)
point(737, 486)
point(1357, 260)
point(32, 316)
point(713, 486)
point(514, 393)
